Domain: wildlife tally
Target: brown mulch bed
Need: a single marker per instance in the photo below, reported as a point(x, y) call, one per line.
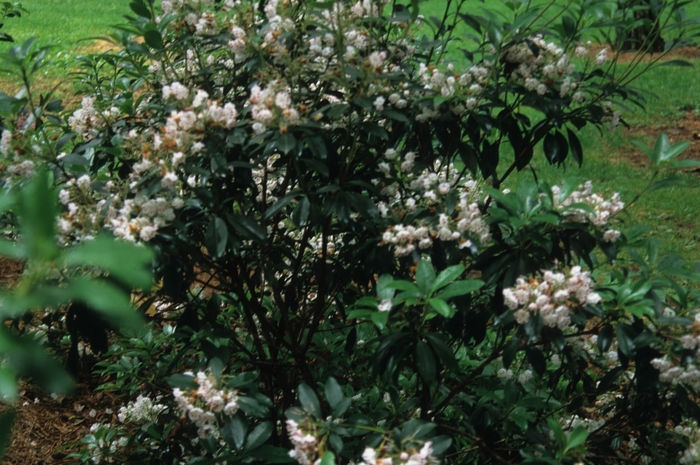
point(44, 426)
point(687, 129)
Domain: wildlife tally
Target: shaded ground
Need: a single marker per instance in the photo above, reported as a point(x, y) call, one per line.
point(45, 426)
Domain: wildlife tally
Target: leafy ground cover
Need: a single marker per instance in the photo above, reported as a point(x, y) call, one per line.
point(612, 163)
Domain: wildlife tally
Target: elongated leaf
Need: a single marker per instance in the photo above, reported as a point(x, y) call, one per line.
point(459, 288)
point(122, 260)
point(425, 277)
point(279, 205)
point(153, 39)
point(575, 146)
point(234, 431)
point(442, 350)
point(442, 307)
point(286, 143)
point(334, 394)
point(105, 298)
point(625, 340)
point(446, 276)
point(328, 458)
point(248, 227)
point(425, 362)
point(216, 237)
point(309, 401)
point(271, 454)
point(300, 215)
point(259, 435)
point(38, 218)
point(577, 437)
point(384, 292)
point(660, 147)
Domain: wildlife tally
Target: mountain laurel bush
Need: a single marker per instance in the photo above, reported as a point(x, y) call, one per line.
point(343, 271)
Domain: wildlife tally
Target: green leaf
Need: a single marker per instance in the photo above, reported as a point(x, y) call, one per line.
point(8, 385)
point(536, 359)
point(279, 205)
point(334, 394)
point(459, 288)
point(124, 261)
point(37, 212)
point(286, 143)
point(625, 340)
point(309, 401)
point(248, 228)
point(234, 431)
point(300, 215)
point(446, 276)
point(558, 433)
point(26, 356)
point(153, 39)
point(384, 292)
point(425, 362)
point(660, 147)
point(182, 381)
point(216, 237)
point(271, 454)
point(140, 8)
point(442, 307)
point(105, 298)
point(425, 277)
point(395, 115)
point(576, 438)
point(575, 146)
point(667, 182)
point(259, 435)
point(605, 337)
point(442, 350)
point(328, 458)
point(676, 62)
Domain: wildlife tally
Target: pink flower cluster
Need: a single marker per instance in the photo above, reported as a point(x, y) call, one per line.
point(603, 210)
point(88, 121)
point(385, 455)
point(553, 296)
point(430, 189)
point(541, 66)
point(305, 444)
point(673, 374)
point(202, 405)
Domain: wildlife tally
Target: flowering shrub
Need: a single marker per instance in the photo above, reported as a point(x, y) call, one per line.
point(345, 274)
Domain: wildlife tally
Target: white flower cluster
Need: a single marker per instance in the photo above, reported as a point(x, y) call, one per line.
point(691, 456)
point(590, 424)
point(466, 87)
point(272, 107)
point(305, 444)
point(143, 410)
point(674, 374)
point(541, 66)
point(203, 404)
point(6, 144)
point(603, 210)
point(88, 121)
point(387, 456)
point(105, 442)
point(430, 189)
point(553, 297)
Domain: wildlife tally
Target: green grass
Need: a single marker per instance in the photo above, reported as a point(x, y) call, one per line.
point(66, 22)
